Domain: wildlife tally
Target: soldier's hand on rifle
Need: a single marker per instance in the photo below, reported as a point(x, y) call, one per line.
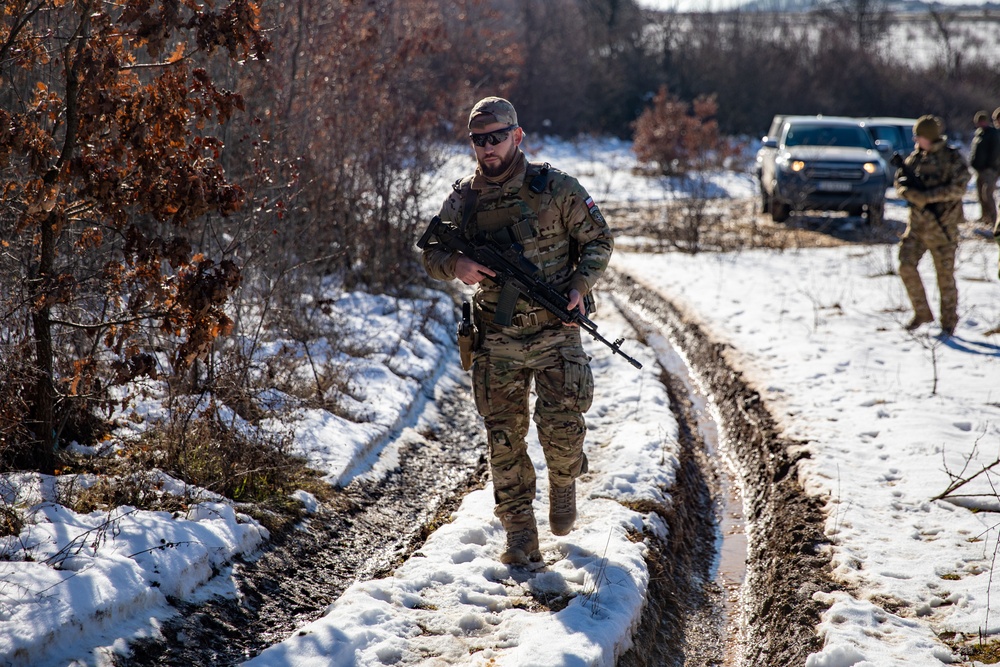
point(470, 271)
point(914, 196)
point(575, 302)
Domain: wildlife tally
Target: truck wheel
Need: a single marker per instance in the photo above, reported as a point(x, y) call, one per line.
point(780, 211)
point(765, 201)
point(876, 213)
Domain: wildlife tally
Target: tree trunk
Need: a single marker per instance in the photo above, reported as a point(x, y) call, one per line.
point(44, 399)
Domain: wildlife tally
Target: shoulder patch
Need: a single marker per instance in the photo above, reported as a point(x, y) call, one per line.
point(595, 212)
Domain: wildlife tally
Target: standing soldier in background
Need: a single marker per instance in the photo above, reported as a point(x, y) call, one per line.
point(984, 157)
point(932, 179)
point(564, 234)
point(996, 226)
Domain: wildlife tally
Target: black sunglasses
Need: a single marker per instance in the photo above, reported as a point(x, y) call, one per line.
point(494, 138)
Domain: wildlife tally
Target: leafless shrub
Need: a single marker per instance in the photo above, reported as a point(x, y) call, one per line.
point(132, 482)
point(204, 449)
point(678, 137)
point(970, 471)
point(15, 382)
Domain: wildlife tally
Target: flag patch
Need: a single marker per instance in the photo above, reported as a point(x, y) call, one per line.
point(595, 212)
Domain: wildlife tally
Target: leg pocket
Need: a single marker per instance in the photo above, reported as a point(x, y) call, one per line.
point(578, 379)
point(481, 383)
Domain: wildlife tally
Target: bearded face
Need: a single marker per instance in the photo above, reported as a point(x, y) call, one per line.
point(497, 163)
point(495, 158)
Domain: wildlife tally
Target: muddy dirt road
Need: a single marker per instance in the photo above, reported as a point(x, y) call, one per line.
point(369, 527)
point(776, 614)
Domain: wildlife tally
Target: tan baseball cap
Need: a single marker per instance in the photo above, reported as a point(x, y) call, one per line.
point(492, 110)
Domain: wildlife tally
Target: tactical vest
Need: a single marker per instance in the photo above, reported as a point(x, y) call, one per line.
point(529, 219)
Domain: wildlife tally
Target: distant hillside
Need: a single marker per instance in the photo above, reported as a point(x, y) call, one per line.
point(892, 5)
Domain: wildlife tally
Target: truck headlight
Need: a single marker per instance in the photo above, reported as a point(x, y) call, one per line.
point(787, 164)
point(871, 167)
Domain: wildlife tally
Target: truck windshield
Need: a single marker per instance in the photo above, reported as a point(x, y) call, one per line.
point(815, 135)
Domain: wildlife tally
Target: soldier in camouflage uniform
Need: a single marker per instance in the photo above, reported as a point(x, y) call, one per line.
point(932, 179)
point(996, 226)
point(984, 158)
point(565, 235)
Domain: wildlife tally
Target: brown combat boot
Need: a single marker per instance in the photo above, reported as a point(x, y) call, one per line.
point(562, 508)
point(919, 320)
point(522, 548)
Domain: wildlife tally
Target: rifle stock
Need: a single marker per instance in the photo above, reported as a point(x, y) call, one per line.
point(516, 277)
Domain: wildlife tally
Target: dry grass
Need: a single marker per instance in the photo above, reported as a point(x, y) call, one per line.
point(254, 469)
point(988, 653)
point(11, 522)
point(725, 225)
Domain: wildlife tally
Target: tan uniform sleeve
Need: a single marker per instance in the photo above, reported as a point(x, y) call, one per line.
point(439, 262)
point(588, 228)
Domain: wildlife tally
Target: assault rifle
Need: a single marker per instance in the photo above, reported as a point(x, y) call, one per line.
point(910, 179)
point(516, 277)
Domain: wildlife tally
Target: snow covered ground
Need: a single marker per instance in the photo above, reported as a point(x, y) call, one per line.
point(889, 418)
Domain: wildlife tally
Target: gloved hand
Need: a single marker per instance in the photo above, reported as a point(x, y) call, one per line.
point(915, 197)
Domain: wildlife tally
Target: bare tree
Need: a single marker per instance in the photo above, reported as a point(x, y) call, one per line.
point(866, 21)
point(108, 152)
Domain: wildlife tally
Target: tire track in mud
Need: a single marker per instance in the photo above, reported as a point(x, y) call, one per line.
point(685, 619)
point(370, 527)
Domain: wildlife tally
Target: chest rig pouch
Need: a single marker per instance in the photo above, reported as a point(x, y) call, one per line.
point(510, 222)
point(513, 222)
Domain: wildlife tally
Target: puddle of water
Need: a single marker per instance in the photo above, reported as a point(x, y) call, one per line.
point(731, 552)
point(729, 569)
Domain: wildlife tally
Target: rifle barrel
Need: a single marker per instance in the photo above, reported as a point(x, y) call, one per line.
point(513, 269)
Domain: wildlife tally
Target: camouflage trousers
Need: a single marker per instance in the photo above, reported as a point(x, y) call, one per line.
point(929, 235)
point(504, 367)
point(986, 187)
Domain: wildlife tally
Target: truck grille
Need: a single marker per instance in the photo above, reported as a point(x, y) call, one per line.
point(832, 172)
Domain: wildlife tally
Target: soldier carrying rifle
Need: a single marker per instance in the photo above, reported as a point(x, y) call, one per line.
point(547, 213)
point(932, 179)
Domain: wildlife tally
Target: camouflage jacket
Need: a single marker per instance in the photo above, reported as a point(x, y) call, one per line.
point(940, 177)
point(569, 240)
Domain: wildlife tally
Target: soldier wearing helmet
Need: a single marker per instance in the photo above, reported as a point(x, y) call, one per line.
point(932, 179)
